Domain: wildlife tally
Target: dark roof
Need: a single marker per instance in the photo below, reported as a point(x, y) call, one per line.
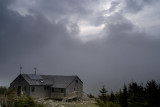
point(56, 81)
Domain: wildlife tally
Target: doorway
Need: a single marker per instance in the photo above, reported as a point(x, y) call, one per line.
point(19, 90)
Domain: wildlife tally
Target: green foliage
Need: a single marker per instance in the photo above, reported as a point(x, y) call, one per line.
point(9, 99)
point(103, 95)
point(90, 95)
point(105, 100)
point(111, 104)
point(10, 94)
point(2, 90)
point(152, 93)
point(26, 102)
point(100, 103)
point(133, 95)
point(20, 102)
point(123, 100)
point(136, 95)
point(112, 97)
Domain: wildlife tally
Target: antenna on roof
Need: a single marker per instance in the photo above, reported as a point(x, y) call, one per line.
point(35, 70)
point(20, 68)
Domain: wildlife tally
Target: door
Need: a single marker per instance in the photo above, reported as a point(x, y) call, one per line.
point(19, 90)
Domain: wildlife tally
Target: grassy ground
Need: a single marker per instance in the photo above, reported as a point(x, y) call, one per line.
point(86, 105)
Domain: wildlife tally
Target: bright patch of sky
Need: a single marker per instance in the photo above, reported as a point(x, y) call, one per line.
point(89, 32)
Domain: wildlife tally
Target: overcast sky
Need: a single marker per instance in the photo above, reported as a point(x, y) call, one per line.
point(109, 42)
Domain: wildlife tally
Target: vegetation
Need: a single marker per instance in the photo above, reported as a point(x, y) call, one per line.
point(102, 98)
point(2, 90)
point(8, 99)
point(26, 102)
point(90, 95)
point(133, 95)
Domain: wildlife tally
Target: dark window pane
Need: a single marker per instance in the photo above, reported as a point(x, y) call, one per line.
point(62, 90)
point(25, 88)
point(76, 81)
point(52, 89)
point(33, 89)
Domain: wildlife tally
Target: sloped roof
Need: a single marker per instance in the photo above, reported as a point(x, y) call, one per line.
point(56, 81)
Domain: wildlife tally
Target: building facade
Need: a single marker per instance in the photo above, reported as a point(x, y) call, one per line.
point(52, 86)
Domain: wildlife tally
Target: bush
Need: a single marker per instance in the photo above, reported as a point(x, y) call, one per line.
point(111, 104)
point(2, 90)
point(26, 102)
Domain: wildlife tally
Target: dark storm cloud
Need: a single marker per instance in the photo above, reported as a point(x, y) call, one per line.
point(23, 39)
point(124, 52)
point(20, 34)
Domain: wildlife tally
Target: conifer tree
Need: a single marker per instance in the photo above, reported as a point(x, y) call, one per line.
point(124, 97)
point(102, 98)
point(112, 97)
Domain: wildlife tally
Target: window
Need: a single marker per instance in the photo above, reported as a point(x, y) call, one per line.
point(24, 88)
point(76, 81)
point(53, 90)
point(62, 90)
point(19, 80)
point(48, 87)
point(58, 90)
point(33, 89)
point(45, 87)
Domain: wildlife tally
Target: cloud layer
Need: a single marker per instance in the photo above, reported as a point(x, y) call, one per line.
point(103, 42)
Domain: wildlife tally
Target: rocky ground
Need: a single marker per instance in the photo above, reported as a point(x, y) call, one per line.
point(84, 102)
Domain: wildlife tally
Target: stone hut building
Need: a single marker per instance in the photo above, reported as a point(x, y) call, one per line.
point(52, 86)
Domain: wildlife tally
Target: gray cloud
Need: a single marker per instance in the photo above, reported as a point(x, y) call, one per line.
point(114, 4)
point(135, 6)
point(124, 52)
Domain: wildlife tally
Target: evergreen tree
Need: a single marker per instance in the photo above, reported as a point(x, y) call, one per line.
point(2, 90)
point(112, 97)
point(136, 95)
point(124, 97)
point(102, 98)
point(152, 93)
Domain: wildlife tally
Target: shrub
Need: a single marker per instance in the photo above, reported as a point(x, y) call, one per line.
point(26, 102)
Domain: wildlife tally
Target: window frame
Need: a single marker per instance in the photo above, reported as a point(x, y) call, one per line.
point(32, 89)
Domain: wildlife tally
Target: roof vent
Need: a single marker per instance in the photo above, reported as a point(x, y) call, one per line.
point(41, 81)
